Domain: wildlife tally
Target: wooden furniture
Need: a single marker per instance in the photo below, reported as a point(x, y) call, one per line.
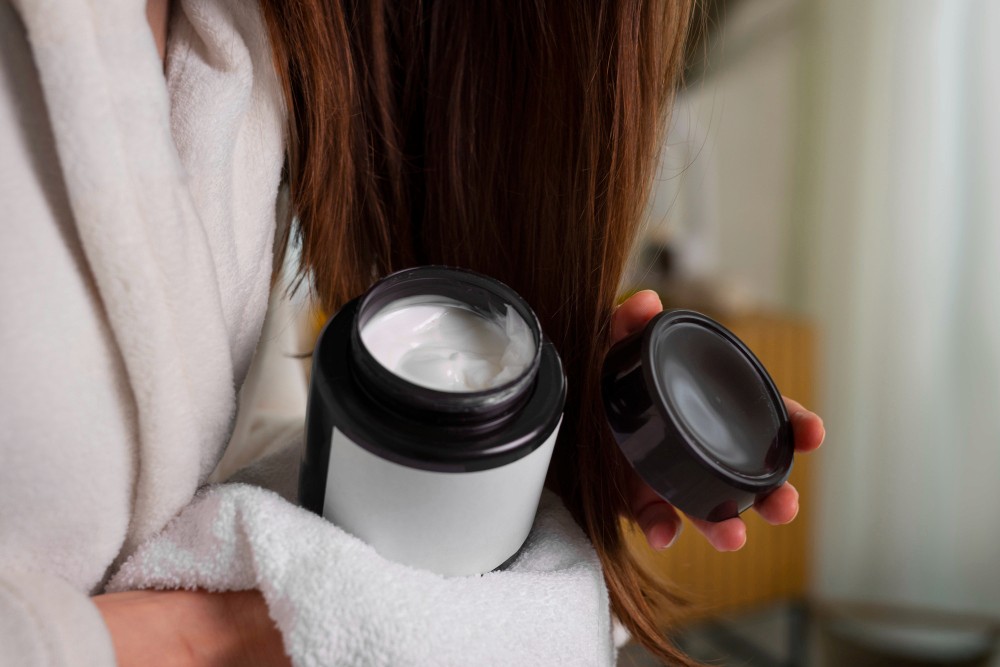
point(774, 564)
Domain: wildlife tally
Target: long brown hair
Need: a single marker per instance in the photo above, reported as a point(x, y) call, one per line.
point(512, 137)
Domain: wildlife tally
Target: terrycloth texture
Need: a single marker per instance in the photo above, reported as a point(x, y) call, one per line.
point(138, 217)
point(177, 236)
point(337, 602)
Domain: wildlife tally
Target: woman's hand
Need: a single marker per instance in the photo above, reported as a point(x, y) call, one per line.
point(658, 519)
point(191, 629)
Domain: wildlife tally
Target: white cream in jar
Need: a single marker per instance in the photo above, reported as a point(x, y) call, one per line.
point(442, 344)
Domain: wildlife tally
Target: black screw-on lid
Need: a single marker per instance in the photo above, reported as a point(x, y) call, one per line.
point(697, 415)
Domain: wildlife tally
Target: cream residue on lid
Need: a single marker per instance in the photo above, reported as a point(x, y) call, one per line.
point(443, 344)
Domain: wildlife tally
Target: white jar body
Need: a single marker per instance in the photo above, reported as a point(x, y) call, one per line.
point(452, 523)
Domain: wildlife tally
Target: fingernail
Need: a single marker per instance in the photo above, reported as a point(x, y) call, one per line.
point(659, 540)
point(656, 294)
point(677, 533)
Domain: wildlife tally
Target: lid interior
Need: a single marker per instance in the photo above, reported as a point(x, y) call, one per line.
point(719, 396)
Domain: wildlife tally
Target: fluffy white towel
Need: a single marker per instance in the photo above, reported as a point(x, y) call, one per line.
point(337, 602)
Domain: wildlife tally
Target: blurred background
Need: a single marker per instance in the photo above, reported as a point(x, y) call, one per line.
point(830, 189)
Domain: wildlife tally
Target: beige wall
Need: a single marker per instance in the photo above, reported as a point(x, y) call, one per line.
point(732, 144)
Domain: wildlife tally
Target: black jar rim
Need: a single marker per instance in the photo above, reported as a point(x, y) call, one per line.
point(336, 400)
point(482, 294)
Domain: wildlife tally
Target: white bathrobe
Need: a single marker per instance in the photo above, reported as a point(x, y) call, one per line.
point(138, 224)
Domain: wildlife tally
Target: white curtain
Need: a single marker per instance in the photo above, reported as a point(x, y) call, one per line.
point(898, 260)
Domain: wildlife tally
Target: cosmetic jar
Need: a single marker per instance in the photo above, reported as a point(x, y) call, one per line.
point(434, 405)
point(697, 416)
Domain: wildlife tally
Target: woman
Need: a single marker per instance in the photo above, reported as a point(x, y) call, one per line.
point(513, 139)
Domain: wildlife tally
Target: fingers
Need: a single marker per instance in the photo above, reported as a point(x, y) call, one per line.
point(660, 524)
point(807, 426)
point(728, 535)
point(632, 315)
point(658, 520)
point(779, 507)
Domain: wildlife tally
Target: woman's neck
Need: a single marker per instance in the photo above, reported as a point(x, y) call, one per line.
point(157, 12)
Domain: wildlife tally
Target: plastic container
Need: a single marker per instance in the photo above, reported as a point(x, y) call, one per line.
point(447, 481)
